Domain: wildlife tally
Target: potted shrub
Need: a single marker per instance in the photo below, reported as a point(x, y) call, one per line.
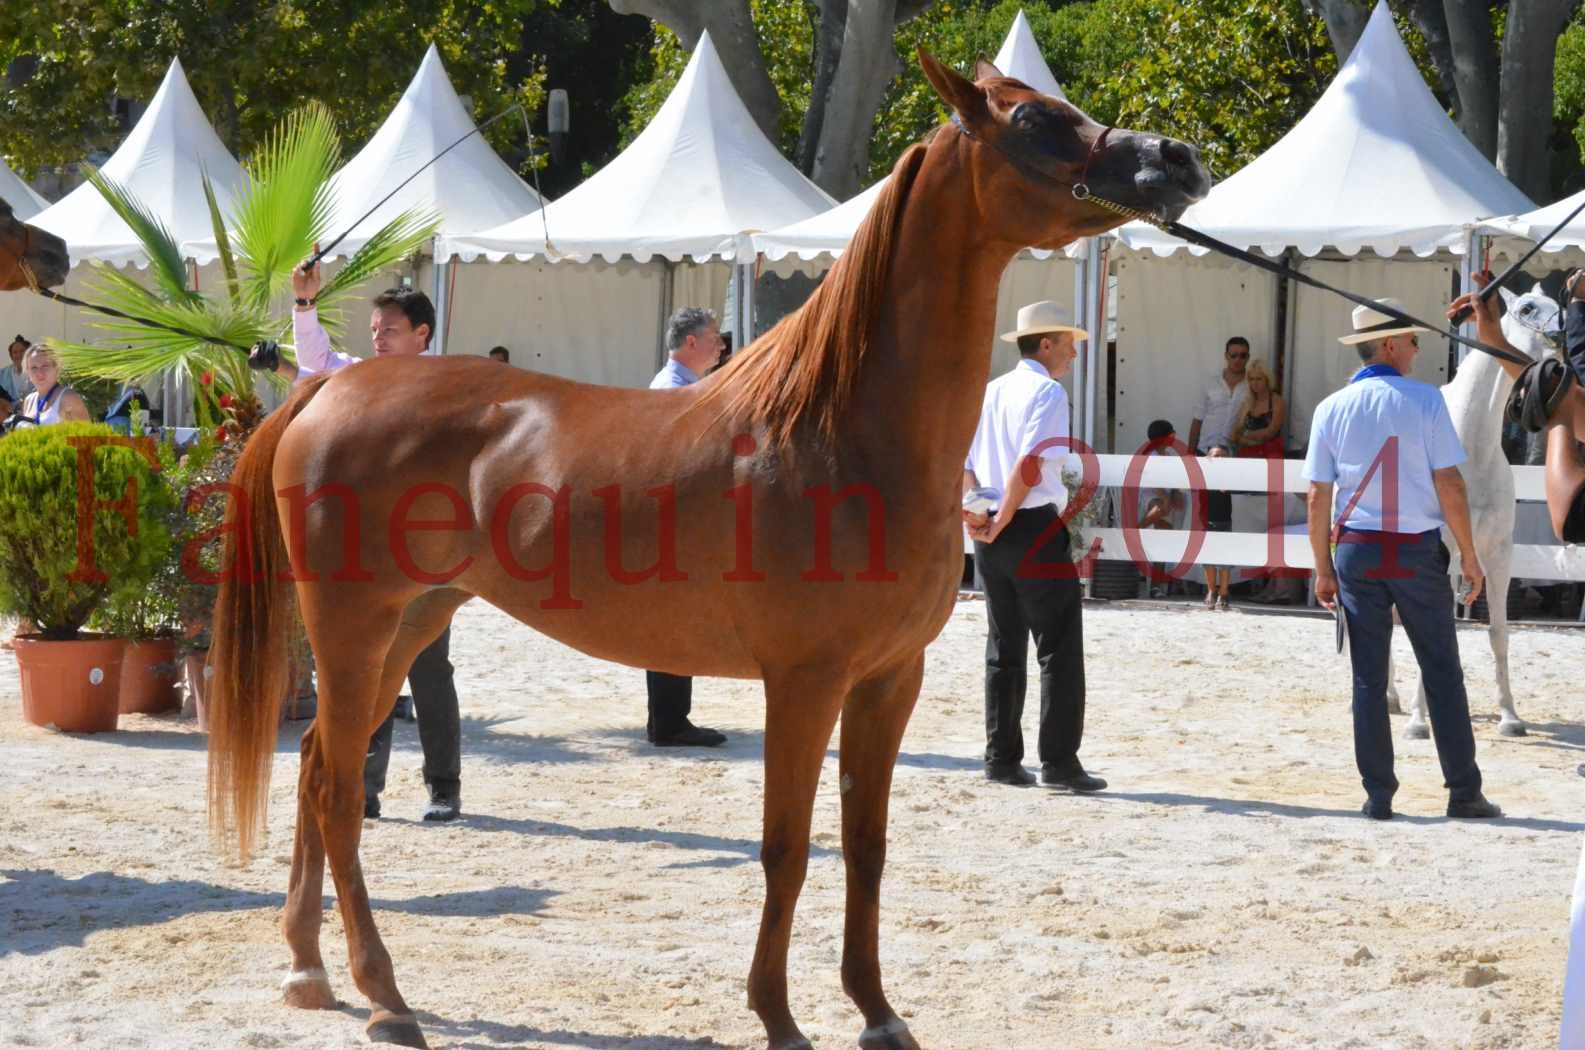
point(148, 617)
point(71, 679)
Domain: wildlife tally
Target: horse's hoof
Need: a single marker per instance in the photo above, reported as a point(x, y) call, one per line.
point(308, 990)
point(799, 1043)
point(893, 1035)
point(396, 1029)
point(1512, 729)
point(1416, 731)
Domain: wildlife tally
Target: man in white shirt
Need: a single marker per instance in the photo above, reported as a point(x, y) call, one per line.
point(693, 345)
point(1211, 435)
point(1022, 557)
point(1387, 443)
point(401, 324)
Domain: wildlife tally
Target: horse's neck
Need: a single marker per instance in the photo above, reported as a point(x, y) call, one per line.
point(1475, 400)
point(924, 378)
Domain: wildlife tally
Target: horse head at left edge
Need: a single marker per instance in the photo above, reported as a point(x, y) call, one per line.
point(28, 256)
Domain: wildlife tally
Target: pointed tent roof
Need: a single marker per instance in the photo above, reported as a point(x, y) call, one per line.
point(1376, 162)
point(162, 162)
point(1020, 57)
point(471, 187)
point(829, 232)
point(696, 178)
point(24, 202)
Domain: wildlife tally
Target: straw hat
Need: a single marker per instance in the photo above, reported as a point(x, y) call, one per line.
point(1373, 324)
point(1039, 318)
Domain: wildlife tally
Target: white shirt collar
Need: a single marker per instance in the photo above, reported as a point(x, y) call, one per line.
point(1034, 366)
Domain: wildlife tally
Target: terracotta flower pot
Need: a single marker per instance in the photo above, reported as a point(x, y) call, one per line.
point(74, 686)
point(149, 676)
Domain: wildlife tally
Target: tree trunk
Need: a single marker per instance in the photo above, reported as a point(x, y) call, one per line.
point(1529, 54)
point(828, 53)
point(1345, 23)
point(1474, 49)
point(732, 29)
point(1430, 18)
point(867, 65)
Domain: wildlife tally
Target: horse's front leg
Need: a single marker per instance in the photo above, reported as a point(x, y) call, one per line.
point(801, 707)
point(873, 721)
point(1499, 569)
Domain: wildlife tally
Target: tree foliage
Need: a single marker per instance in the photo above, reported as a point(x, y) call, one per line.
point(249, 64)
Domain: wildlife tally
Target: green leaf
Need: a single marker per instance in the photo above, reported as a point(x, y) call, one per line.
point(222, 240)
point(397, 240)
point(165, 255)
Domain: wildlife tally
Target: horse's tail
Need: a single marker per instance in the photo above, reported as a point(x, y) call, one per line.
point(252, 637)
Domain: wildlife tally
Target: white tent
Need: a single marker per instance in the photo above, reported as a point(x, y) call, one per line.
point(1533, 225)
point(699, 176)
point(1375, 163)
point(162, 162)
point(829, 232)
point(24, 202)
point(471, 187)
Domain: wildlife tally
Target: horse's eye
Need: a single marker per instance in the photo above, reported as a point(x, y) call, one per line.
point(1027, 115)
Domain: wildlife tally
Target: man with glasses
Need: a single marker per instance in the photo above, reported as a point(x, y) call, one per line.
point(1386, 443)
point(1211, 435)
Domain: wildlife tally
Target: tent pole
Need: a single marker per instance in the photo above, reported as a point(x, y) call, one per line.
point(1474, 247)
point(667, 276)
point(442, 305)
point(1081, 363)
point(1101, 259)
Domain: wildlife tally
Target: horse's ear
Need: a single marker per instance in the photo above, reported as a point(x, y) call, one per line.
point(1507, 296)
point(984, 69)
point(955, 90)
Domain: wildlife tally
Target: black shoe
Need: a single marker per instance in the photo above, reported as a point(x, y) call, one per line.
point(1377, 809)
point(443, 808)
point(1010, 773)
point(689, 735)
point(1476, 808)
point(371, 807)
point(1078, 781)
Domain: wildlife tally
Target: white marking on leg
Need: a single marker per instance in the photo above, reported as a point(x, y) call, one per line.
point(846, 783)
point(313, 975)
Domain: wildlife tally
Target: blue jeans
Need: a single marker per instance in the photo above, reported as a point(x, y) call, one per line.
point(1418, 585)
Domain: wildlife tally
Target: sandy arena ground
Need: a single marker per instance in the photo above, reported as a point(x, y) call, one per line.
point(1224, 893)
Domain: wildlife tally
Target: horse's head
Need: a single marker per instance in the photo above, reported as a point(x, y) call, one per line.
point(1533, 323)
point(1048, 162)
point(28, 250)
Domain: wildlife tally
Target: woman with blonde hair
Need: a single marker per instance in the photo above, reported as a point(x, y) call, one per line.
point(51, 401)
point(1257, 429)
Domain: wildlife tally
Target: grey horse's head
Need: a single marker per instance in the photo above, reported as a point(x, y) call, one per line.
point(1533, 323)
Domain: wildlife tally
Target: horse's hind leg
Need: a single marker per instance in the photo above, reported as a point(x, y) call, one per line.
point(873, 721)
point(361, 662)
point(800, 709)
point(307, 986)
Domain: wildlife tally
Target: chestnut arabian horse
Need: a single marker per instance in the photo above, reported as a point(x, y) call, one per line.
point(798, 510)
point(29, 257)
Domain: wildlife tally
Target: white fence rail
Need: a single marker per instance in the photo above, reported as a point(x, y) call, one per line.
point(1291, 546)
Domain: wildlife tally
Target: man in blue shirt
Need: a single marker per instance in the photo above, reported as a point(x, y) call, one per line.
point(1387, 445)
point(693, 345)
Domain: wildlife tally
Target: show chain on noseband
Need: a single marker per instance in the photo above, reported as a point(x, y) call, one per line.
point(315, 259)
point(1081, 191)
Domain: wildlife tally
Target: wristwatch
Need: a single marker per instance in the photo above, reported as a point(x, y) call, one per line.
point(306, 302)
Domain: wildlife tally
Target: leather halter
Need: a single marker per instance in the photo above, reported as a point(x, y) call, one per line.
point(1079, 189)
point(20, 263)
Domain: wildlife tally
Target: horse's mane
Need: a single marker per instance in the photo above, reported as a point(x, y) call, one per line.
point(805, 370)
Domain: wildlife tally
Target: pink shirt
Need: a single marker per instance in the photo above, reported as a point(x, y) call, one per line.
point(314, 353)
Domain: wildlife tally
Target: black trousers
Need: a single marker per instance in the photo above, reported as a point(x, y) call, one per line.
point(670, 701)
point(1020, 602)
point(439, 726)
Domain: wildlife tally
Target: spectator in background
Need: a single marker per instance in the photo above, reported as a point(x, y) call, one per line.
point(1257, 430)
point(501, 354)
point(14, 379)
point(1211, 435)
point(51, 401)
point(1161, 508)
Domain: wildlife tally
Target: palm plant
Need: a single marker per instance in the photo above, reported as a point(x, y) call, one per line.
point(283, 211)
